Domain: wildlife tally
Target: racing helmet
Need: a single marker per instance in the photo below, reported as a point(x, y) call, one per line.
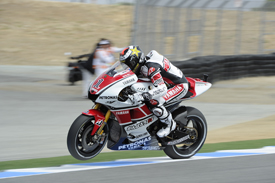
point(133, 57)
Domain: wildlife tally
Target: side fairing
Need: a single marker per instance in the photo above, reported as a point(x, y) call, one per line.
point(135, 121)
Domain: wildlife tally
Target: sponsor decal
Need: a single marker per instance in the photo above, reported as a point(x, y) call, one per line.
point(128, 81)
point(153, 102)
point(151, 148)
point(159, 91)
point(139, 135)
point(166, 64)
point(151, 70)
point(158, 82)
point(107, 97)
point(141, 89)
point(122, 112)
point(137, 125)
point(157, 79)
point(126, 75)
point(99, 122)
point(135, 51)
point(173, 92)
point(110, 102)
point(98, 83)
point(179, 140)
point(135, 144)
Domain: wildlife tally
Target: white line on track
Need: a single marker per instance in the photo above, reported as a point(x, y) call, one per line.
point(131, 162)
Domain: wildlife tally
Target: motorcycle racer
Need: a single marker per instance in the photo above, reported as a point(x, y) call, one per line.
point(169, 83)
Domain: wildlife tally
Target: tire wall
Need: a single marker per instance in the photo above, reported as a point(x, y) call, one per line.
point(228, 67)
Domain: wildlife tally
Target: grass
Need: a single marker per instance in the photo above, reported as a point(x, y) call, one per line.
point(111, 156)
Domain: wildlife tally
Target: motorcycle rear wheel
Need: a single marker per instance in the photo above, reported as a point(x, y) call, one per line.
point(197, 120)
point(81, 144)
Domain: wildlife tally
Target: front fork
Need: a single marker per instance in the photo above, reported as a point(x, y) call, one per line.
point(107, 116)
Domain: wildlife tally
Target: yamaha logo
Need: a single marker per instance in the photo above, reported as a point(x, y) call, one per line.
point(122, 112)
point(107, 97)
point(173, 92)
point(129, 81)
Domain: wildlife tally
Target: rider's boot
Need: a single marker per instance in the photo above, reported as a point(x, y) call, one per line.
point(171, 125)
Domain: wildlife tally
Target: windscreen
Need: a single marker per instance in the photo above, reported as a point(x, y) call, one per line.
point(116, 68)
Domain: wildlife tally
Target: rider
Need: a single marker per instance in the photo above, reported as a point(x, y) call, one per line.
point(170, 83)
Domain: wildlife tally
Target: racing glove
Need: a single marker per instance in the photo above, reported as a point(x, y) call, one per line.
point(146, 96)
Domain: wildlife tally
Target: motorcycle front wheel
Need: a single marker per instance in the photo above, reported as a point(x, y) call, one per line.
point(81, 144)
point(197, 122)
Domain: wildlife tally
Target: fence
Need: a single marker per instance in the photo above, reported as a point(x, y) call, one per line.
point(97, 1)
point(186, 28)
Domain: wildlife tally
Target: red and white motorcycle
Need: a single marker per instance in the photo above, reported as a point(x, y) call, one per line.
point(124, 125)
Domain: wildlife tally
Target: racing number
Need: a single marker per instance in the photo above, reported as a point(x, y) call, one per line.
point(98, 83)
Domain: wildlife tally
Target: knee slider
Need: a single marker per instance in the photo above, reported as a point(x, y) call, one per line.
point(160, 112)
point(157, 111)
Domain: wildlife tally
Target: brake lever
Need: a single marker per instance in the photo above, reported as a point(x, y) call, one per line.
point(129, 91)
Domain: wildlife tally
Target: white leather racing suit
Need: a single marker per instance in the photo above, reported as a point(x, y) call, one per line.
point(170, 85)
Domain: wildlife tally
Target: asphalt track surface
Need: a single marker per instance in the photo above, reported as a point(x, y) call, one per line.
point(38, 106)
point(243, 169)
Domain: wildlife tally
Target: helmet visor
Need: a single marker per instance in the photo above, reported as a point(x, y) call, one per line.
point(131, 62)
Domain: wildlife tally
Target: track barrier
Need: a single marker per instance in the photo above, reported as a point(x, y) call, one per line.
point(228, 67)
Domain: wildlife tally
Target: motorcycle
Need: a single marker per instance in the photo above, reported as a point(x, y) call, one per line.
point(122, 124)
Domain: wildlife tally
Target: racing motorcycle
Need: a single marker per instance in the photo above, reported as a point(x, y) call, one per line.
point(117, 120)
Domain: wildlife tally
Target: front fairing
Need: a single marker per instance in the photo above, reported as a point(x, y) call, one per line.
point(106, 88)
point(115, 73)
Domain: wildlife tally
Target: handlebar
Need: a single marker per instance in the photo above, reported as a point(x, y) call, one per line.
point(124, 94)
